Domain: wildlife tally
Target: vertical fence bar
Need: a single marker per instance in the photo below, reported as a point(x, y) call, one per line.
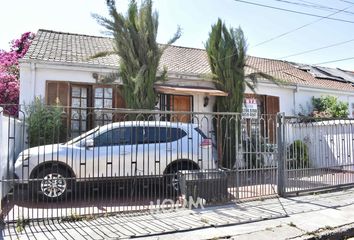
point(281, 153)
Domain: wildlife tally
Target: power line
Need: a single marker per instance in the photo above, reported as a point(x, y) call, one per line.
point(298, 28)
point(288, 32)
point(320, 5)
point(317, 49)
point(347, 1)
point(312, 5)
point(337, 60)
point(294, 11)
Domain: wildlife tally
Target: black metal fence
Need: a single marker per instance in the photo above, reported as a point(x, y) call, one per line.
point(64, 163)
point(318, 153)
point(67, 163)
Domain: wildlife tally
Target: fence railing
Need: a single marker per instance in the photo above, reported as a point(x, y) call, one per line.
point(319, 153)
point(66, 163)
point(84, 161)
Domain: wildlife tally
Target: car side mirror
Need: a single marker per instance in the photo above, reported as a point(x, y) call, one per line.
point(89, 143)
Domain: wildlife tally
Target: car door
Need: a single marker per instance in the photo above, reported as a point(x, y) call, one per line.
point(143, 150)
point(152, 153)
point(161, 149)
point(118, 152)
point(110, 155)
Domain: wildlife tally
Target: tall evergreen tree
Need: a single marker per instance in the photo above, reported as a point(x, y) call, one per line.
point(139, 53)
point(226, 49)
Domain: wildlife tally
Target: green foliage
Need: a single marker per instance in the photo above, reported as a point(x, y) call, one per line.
point(330, 107)
point(255, 149)
point(226, 49)
point(252, 157)
point(45, 124)
point(298, 155)
point(21, 223)
point(135, 43)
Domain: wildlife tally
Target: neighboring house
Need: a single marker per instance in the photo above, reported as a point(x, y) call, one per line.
point(58, 67)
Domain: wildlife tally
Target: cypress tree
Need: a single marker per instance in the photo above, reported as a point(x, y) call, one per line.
point(139, 53)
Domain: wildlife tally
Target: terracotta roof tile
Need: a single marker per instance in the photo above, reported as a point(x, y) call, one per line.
point(78, 49)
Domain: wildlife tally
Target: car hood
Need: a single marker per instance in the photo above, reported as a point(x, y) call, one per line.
point(43, 150)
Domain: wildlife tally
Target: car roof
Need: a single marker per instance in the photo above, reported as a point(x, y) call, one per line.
point(185, 126)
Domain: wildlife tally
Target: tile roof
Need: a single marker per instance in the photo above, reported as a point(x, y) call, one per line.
point(52, 46)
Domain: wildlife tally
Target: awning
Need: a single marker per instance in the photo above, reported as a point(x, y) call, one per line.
point(189, 91)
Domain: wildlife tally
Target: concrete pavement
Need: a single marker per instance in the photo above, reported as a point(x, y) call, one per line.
point(303, 217)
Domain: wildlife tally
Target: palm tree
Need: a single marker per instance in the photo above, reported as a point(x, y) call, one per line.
point(139, 53)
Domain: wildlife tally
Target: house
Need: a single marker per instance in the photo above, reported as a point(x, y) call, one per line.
point(58, 67)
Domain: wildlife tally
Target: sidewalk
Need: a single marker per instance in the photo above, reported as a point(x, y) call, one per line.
point(301, 217)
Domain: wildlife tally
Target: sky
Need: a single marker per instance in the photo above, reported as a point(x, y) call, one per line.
point(195, 17)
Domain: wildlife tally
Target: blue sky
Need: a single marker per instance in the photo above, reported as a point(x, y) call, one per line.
point(196, 17)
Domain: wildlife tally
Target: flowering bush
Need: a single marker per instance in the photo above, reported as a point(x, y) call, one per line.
point(9, 72)
point(9, 92)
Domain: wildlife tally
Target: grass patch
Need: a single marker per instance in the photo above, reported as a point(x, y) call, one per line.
point(21, 223)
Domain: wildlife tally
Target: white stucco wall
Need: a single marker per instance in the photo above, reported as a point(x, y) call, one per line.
point(285, 93)
point(33, 77)
point(12, 142)
point(304, 96)
point(292, 98)
point(328, 142)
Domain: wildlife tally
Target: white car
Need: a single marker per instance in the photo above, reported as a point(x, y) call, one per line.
point(117, 150)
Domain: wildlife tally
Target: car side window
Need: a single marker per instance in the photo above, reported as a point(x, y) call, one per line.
point(175, 134)
point(163, 134)
point(117, 136)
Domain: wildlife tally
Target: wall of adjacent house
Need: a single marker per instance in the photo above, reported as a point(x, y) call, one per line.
point(328, 142)
point(12, 142)
point(295, 99)
point(304, 96)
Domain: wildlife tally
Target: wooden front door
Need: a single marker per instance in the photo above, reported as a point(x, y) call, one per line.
point(182, 104)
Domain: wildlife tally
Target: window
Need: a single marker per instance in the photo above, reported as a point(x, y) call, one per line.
point(103, 98)
point(114, 137)
point(163, 134)
point(81, 99)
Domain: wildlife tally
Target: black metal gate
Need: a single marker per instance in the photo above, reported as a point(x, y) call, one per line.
point(136, 163)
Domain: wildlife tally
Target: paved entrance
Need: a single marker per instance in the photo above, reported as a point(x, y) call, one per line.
point(172, 222)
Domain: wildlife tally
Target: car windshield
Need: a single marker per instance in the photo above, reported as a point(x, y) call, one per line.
point(83, 135)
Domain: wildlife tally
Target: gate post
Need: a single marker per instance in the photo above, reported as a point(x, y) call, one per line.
point(281, 153)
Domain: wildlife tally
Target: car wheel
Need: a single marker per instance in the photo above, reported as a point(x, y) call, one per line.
point(171, 178)
point(53, 184)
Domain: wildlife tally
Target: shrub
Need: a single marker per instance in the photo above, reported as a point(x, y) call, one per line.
point(45, 125)
point(298, 155)
point(254, 149)
point(329, 107)
point(10, 73)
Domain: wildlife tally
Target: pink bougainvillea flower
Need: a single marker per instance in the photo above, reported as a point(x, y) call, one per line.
point(9, 72)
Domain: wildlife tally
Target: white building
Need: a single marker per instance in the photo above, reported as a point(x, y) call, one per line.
point(58, 67)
